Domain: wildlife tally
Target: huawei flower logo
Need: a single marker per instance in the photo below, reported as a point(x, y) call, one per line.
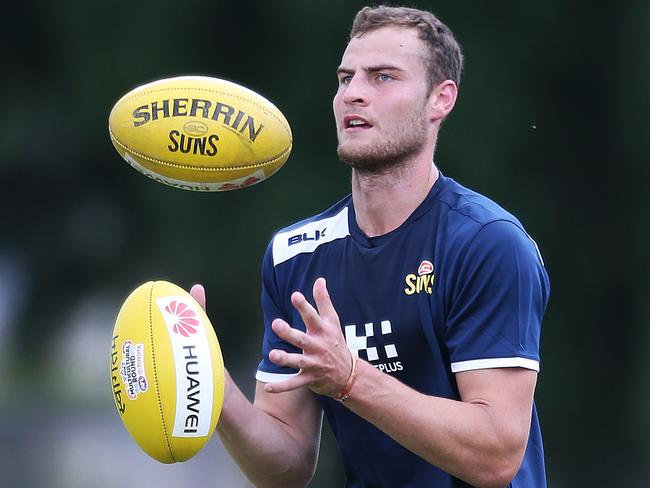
point(236, 186)
point(184, 318)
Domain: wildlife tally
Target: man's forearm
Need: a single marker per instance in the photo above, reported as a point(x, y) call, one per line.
point(462, 438)
point(263, 447)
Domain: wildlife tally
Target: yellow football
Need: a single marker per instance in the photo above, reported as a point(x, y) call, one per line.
point(200, 133)
point(166, 371)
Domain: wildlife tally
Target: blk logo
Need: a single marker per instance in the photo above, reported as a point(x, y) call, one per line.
point(298, 238)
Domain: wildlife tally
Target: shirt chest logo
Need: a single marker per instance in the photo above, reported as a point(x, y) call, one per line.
point(422, 281)
point(357, 343)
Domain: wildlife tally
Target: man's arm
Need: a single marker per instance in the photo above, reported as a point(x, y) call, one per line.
point(480, 439)
point(274, 440)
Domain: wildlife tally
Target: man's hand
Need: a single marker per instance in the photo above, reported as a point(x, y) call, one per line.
point(326, 362)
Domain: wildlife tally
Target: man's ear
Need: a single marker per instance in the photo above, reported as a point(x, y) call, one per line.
point(442, 100)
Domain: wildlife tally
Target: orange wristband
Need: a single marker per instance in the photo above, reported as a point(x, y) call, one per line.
point(345, 392)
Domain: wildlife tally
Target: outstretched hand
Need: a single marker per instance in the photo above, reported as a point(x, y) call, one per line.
point(326, 362)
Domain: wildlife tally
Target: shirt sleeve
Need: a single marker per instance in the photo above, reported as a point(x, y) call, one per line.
point(498, 301)
point(273, 306)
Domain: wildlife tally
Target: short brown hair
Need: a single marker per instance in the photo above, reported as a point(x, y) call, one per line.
point(445, 60)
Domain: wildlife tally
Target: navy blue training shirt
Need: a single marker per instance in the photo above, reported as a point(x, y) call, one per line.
point(458, 286)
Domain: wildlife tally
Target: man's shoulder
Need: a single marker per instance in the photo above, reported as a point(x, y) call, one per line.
point(308, 234)
point(476, 221)
point(473, 209)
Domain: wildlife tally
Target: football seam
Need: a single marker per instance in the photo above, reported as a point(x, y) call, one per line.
point(217, 92)
point(155, 377)
point(200, 168)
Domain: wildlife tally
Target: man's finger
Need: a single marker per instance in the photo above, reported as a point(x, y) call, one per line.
point(287, 385)
point(323, 301)
point(198, 292)
point(293, 336)
point(308, 313)
point(287, 359)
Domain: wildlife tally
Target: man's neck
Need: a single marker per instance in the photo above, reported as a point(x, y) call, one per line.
point(383, 202)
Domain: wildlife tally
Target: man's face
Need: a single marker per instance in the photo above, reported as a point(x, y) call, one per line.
point(381, 103)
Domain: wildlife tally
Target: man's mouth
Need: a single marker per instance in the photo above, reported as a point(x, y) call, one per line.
point(355, 122)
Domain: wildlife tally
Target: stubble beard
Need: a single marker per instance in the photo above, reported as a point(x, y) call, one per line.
point(397, 149)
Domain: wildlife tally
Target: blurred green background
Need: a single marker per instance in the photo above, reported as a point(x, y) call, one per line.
point(552, 122)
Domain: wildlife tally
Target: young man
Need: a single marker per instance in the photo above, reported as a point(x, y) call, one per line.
point(409, 312)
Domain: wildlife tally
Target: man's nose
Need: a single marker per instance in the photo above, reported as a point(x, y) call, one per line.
point(356, 92)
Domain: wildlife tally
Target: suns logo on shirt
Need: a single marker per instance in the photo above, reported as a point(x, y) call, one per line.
point(422, 281)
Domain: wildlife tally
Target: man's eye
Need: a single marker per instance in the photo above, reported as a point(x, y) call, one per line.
point(345, 80)
point(384, 77)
